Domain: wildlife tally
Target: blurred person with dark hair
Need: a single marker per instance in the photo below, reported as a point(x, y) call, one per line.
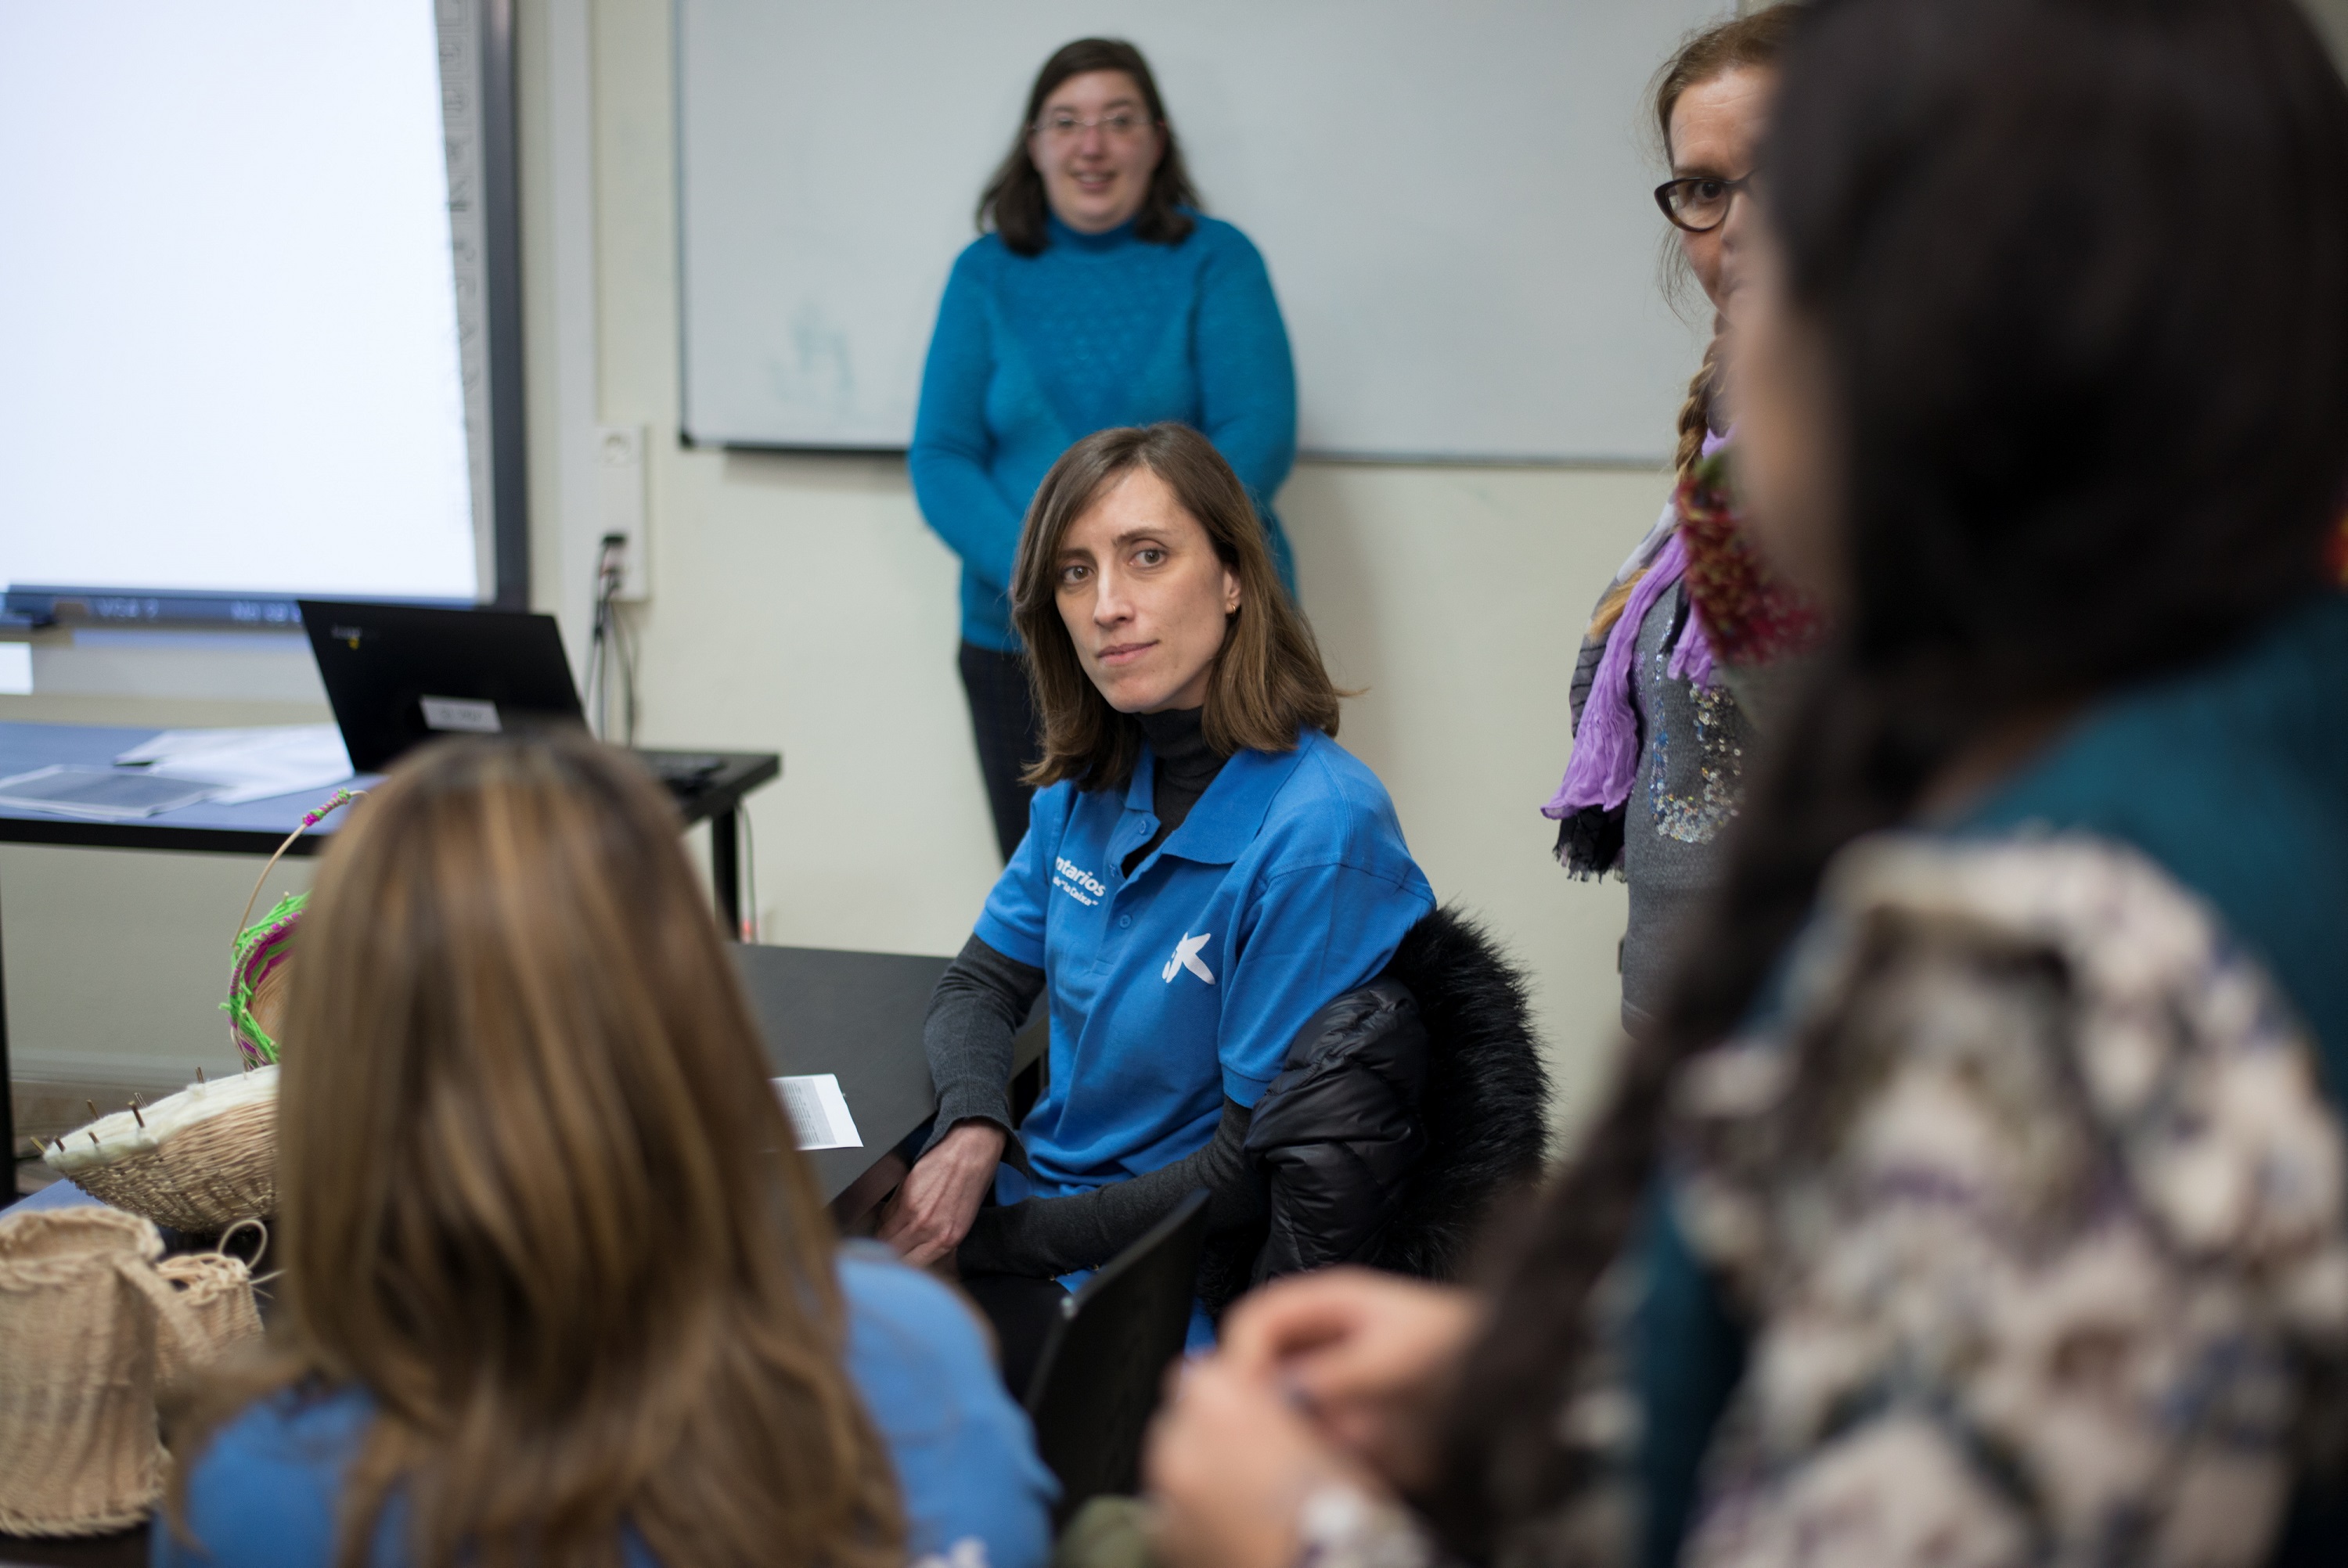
point(1980, 1187)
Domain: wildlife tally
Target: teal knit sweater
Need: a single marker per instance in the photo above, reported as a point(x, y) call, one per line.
point(1033, 353)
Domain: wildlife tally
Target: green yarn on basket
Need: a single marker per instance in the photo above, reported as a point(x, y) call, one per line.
point(261, 948)
point(260, 952)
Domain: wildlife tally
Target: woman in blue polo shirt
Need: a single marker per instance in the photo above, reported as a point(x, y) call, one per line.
point(1204, 869)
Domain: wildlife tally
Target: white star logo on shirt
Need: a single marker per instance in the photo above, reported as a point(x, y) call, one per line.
point(1186, 956)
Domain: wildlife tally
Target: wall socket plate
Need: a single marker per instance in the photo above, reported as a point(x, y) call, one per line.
point(620, 501)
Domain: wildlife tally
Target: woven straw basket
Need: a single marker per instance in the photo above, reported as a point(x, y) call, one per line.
point(88, 1327)
point(199, 1161)
point(215, 1291)
point(202, 1159)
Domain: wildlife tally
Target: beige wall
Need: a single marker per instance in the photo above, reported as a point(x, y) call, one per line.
point(118, 960)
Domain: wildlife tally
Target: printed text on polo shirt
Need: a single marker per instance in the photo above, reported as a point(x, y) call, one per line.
point(1077, 882)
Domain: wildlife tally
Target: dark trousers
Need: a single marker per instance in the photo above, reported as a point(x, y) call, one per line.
point(1003, 722)
point(1020, 1311)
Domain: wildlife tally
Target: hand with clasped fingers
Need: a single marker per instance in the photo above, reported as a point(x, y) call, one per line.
point(1331, 1379)
point(939, 1199)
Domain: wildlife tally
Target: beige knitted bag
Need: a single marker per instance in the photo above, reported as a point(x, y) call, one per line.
point(90, 1328)
point(215, 1291)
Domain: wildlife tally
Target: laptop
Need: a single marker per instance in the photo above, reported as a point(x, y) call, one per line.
point(401, 674)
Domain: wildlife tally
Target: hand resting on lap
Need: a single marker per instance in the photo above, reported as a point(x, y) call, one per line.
point(934, 1209)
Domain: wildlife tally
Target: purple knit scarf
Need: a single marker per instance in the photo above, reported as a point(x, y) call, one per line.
point(1606, 743)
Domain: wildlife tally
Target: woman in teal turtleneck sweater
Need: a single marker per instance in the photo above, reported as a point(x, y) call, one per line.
point(1101, 297)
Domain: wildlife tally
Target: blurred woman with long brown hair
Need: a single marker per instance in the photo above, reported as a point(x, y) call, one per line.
point(558, 1288)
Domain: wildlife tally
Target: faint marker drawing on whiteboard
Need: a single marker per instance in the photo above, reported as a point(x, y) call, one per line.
point(819, 376)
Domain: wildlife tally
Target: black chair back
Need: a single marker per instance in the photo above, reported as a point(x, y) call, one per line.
point(1099, 1380)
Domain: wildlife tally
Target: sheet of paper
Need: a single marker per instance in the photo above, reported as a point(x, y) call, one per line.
point(819, 1112)
point(248, 764)
point(98, 795)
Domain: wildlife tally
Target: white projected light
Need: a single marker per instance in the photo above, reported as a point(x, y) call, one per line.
point(228, 355)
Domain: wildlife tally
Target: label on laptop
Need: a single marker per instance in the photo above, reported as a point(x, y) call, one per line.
point(460, 715)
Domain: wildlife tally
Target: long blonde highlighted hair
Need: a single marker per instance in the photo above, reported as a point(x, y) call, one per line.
point(538, 1199)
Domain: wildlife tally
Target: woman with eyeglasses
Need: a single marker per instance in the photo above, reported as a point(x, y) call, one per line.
point(1692, 634)
point(1096, 295)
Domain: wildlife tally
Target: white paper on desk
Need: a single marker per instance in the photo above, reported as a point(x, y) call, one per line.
point(98, 795)
point(246, 764)
point(818, 1113)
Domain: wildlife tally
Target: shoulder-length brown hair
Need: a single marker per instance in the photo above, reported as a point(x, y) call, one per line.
point(538, 1199)
point(1268, 682)
point(1013, 203)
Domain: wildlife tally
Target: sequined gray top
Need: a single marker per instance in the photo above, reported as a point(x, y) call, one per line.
point(1691, 781)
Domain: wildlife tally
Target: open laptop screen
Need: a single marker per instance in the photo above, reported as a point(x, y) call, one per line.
point(401, 674)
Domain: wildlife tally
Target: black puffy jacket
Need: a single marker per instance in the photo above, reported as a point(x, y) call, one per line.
point(1406, 1107)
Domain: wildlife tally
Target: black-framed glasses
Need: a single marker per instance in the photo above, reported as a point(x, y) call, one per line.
point(1118, 125)
point(1699, 203)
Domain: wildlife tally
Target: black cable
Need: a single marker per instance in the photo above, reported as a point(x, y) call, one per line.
point(595, 668)
point(607, 641)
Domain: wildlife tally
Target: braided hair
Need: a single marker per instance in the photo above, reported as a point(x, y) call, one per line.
point(1740, 43)
point(1695, 409)
point(1752, 42)
point(2074, 266)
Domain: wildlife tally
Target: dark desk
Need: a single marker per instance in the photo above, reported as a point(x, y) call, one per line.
point(257, 827)
point(127, 1550)
point(858, 1017)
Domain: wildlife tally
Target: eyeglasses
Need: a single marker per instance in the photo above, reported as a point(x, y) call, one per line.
point(1700, 204)
point(1118, 125)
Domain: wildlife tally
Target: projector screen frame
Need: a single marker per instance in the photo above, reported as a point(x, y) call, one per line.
point(502, 261)
point(493, 271)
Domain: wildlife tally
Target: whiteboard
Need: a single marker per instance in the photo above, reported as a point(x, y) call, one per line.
point(231, 297)
point(1453, 199)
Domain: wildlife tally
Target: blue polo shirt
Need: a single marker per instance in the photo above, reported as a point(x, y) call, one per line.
point(1288, 885)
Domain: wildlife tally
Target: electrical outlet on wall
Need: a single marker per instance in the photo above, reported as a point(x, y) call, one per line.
point(619, 499)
